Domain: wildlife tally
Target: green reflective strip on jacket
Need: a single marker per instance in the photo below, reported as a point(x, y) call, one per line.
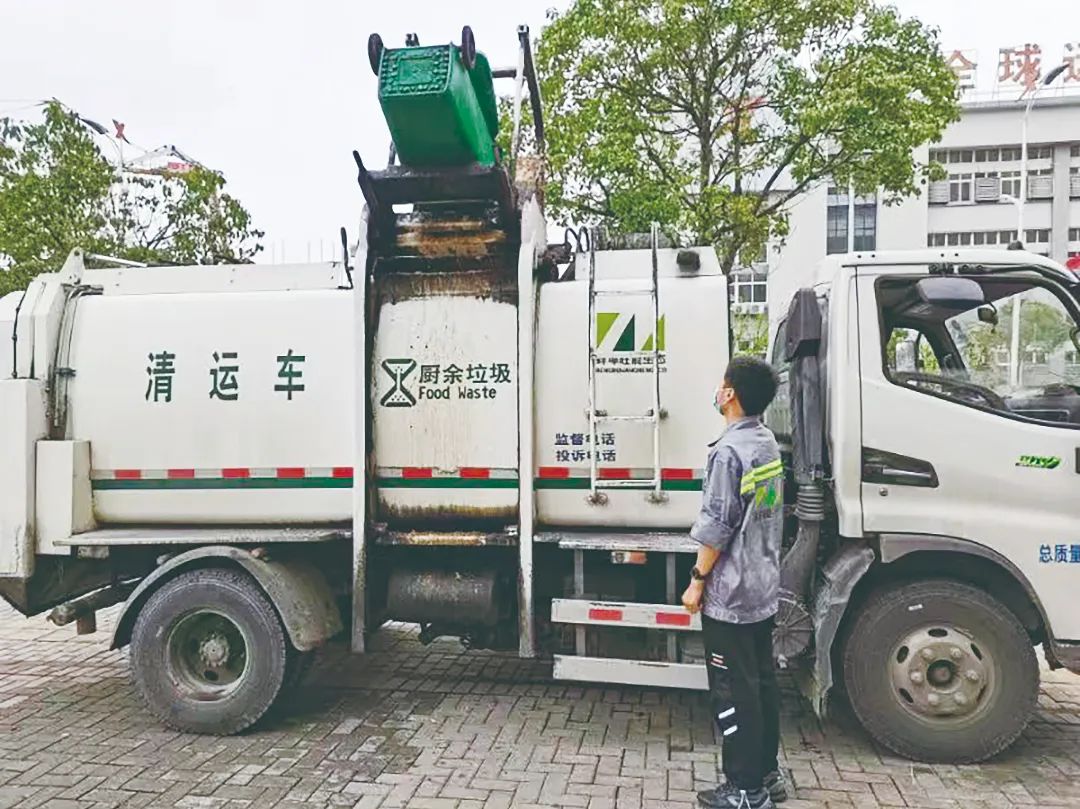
point(760, 474)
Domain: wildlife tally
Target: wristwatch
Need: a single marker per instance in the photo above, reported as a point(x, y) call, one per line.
point(697, 575)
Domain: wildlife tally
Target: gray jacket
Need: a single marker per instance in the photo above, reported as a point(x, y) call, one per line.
point(742, 516)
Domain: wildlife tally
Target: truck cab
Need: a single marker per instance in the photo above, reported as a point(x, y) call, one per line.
point(950, 394)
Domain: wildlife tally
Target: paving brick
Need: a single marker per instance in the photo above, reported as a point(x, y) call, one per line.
point(431, 726)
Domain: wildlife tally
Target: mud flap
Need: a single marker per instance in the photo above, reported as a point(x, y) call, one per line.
point(841, 573)
point(297, 589)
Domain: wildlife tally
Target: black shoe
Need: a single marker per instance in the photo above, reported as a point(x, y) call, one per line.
point(728, 796)
point(776, 785)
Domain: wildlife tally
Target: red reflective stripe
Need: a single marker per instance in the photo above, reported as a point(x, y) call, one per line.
point(127, 474)
point(553, 472)
point(416, 472)
point(614, 473)
point(475, 472)
point(180, 474)
point(236, 472)
point(290, 472)
point(677, 474)
point(342, 472)
point(597, 614)
point(673, 618)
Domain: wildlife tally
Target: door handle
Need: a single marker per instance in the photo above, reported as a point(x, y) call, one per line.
point(924, 477)
point(880, 466)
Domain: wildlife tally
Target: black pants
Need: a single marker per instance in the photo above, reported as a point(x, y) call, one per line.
point(745, 698)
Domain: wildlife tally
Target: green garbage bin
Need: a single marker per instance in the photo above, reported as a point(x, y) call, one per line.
point(439, 112)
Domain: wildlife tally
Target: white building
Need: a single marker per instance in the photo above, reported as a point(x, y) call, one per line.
point(975, 206)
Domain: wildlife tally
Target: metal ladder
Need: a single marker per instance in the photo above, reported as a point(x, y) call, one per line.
point(598, 481)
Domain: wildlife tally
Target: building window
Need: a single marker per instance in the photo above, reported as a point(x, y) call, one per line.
point(866, 226)
point(986, 238)
point(959, 188)
point(1010, 183)
point(1035, 356)
point(939, 156)
point(751, 286)
point(986, 155)
point(836, 229)
point(1010, 153)
point(1074, 150)
point(1074, 234)
point(961, 155)
point(1040, 152)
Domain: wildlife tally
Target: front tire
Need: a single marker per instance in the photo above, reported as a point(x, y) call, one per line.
point(208, 652)
point(940, 671)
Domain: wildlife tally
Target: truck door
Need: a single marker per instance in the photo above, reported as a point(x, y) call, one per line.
point(971, 434)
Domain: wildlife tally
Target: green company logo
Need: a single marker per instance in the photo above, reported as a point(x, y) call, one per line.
point(1039, 461)
point(625, 339)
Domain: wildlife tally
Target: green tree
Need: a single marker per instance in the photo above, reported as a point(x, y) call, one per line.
point(711, 116)
point(58, 192)
point(751, 334)
point(1044, 328)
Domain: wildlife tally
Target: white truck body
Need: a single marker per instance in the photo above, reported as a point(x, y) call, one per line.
point(415, 426)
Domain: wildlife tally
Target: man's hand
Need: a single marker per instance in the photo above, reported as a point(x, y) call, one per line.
point(691, 598)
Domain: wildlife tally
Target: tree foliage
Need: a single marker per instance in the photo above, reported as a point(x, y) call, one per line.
point(711, 116)
point(58, 192)
point(751, 334)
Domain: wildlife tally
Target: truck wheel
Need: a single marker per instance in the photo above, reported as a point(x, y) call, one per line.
point(375, 50)
point(468, 48)
point(208, 653)
point(940, 671)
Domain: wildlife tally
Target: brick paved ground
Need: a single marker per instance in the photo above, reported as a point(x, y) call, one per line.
point(408, 726)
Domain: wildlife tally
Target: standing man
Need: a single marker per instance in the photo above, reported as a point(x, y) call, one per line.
point(736, 583)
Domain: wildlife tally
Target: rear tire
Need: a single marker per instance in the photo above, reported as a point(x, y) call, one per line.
point(208, 652)
point(375, 50)
point(940, 671)
point(468, 48)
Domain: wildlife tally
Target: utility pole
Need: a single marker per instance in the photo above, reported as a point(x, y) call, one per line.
point(1014, 342)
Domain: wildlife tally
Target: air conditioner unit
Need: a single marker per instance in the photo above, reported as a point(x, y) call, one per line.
point(987, 189)
point(749, 308)
point(1041, 187)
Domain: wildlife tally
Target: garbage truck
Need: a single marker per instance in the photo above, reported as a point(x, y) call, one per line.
point(465, 427)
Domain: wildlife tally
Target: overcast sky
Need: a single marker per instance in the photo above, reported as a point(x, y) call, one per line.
point(276, 94)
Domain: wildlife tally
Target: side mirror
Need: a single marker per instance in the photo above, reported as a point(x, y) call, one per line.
point(961, 294)
point(988, 314)
point(1074, 335)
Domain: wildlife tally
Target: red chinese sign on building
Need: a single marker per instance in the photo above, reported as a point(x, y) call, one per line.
point(964, 65)
point(1021, 66)
point(1072, 63)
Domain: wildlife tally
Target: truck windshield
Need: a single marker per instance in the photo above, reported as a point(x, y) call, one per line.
point(970, 354)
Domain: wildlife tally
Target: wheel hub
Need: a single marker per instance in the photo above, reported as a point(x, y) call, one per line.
point(207, 655)
point(214, 651)
point(940, 672)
